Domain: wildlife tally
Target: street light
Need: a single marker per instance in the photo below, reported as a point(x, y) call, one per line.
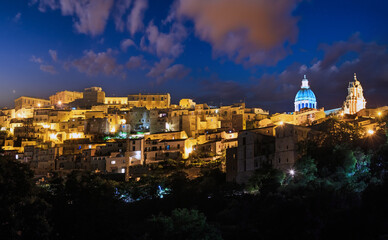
point(59, 102)
point(379, 113)
point(281, 123)
point(291, 172)
point(371, 132)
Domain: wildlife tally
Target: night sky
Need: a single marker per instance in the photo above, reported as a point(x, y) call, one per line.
point(218, 51)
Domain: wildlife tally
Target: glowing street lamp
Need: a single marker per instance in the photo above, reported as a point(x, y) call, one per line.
point(379, 114)
point(39, 105)
point(292, 172)
point(281, 123)
point(59, 103)
point(371, 132)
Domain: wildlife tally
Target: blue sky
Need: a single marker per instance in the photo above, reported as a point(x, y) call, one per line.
point(210, 50)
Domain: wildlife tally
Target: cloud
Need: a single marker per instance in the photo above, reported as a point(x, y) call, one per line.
point(43, 5)
point(159, 67)
point(175, 72)
point(48, 68)
point(17, 17)
point(136, 62)
point(121, 8)
point(135, 18)
point(127, 43)
point(163, 72)
point(90, 15)
point(247, 31)
point(36, 59)
point(164, 44)
point(328, 78)
point(53, 54)
point(98, 63)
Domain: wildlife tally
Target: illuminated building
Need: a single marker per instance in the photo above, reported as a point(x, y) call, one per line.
point(305, 98)
point(65, 97)
point(150, 101)
point(187, 103)
point(355, 100)
point(116, 100)
point(91, 96)
point(30, 102)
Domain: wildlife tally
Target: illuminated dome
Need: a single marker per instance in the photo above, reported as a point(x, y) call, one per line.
point(305, 98)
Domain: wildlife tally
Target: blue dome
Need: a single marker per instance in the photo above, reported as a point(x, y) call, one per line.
point(305, 98)
point(305, 94)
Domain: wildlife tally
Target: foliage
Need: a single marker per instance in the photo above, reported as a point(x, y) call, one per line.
point(23, 213)
point(265, 180)
point(183, 224)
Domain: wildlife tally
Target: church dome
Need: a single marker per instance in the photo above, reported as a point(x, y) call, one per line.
point(305, 94)
point(305, 98)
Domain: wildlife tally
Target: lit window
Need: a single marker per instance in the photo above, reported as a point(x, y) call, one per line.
point(113, 162)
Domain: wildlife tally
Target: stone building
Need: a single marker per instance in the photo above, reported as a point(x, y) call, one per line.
point(355, 100)
point(150, 101)
point(65, 97)
point(30, 102)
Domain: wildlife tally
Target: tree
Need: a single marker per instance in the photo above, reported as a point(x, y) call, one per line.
point(23, 213)
point(183, 224)
point(265, 180)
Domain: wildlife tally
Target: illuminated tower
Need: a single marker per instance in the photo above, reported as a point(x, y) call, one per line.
point(355, 100)
point(305, 98)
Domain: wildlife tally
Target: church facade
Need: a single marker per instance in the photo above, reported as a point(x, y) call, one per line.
point(355, 100)
point(305, 98)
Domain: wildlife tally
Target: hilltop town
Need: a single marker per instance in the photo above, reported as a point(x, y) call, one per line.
point(93, 132)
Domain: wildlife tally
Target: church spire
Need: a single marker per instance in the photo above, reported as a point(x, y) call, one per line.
point(355, 77)
point(305, 82)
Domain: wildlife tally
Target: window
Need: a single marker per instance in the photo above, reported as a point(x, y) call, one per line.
point(113, 162)
point(168, 147)
point(133, 148)
point(244, 141)
point(179, 146)
point(279, 160)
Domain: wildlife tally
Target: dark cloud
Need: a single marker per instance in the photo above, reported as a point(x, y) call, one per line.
point(162, 71)
point(48, 68)
point(164, 44)
point(99, 63)
point(328, 78)
point(136, 62)
point(247, 31)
